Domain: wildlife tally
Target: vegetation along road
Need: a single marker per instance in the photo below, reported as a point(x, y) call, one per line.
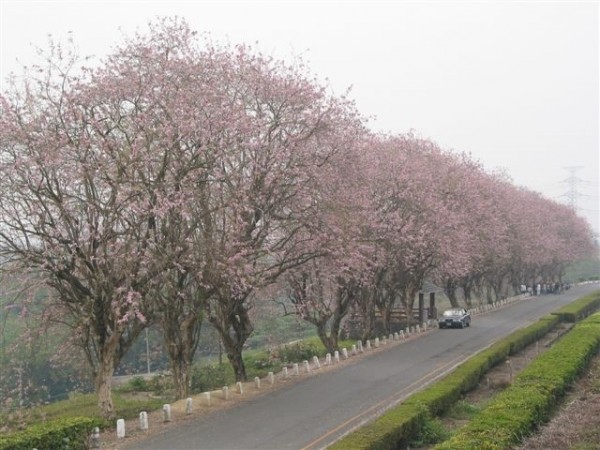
point(318, 410)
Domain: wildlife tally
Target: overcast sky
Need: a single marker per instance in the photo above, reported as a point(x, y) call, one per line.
point(516, 84)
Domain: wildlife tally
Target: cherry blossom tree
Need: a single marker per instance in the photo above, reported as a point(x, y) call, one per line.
point(89, 178)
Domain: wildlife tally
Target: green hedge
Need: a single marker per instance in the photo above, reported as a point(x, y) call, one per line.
point(579, 308)
point(531, 399)
point(401, 424)
point(71, 433)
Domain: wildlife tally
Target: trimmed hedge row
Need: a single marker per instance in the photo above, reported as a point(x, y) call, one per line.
point(72, 433)
point(402, 423)
point(579, 308)
point(531, 399)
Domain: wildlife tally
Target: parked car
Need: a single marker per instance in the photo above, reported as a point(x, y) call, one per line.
point(455, 317)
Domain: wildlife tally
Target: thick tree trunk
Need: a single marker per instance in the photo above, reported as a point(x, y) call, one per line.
point(181, 342)
point(104, 374)
point(234, 328)
point(329, 341)
point(386, 318)
point(234, 355)
point(450, 291)
point(182, 370)
point(367, 311)
point(467, 287)
point(488, 294)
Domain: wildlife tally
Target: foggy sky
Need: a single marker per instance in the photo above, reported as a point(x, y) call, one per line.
point(515, 84)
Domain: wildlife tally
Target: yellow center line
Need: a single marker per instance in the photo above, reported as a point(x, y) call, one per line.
point(437, 372)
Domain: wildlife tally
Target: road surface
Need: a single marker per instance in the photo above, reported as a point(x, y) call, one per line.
point(315, 412)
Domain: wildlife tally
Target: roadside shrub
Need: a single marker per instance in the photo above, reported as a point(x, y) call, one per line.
point(71, 433)
point(211, 376)
point(391, 431)
point(431, 432)
point(579, 308)
point(135, 384)
point(518, 410)
point(298, 351)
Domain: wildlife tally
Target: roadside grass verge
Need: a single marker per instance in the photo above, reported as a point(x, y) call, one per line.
point(140, 394)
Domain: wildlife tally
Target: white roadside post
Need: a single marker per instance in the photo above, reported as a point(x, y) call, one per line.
point(316, 362)
point(166, 412)
point(120, 428)
point(143, 421)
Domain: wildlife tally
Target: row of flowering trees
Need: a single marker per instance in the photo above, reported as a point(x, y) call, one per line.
point(174, 181)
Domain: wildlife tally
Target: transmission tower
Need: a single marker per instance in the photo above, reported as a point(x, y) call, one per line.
point(572, 182)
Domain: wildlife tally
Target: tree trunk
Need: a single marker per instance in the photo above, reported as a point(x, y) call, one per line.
point(467, 287)
point(367, 309)
point(386, 317)
point(488, 294)
point(182, 368)
point(234, 328)
point(450, 291)
point(234, 355)
point(329, 341)
point(106, 368)
point(181, 342)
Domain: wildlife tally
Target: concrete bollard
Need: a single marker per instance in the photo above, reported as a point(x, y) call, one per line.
point(188, 405)
point(376, 342)
point(95, 439)
point(360, 346)
point(391, 337)
point(316, 362)
point(402, 335)
point(225, 393)
point(328, 359)
point(417, 329)
point(257, 382)
point(240, 388)
point(396, 336)
point(166, 413)
point(368, 344)
point(306, 366)
point(354, 351)
point(336, 356)
point(285, 372)
point(206, 398)
point(296, 369)
point(143, 421)
point(407, 331)
point(345, 353)
point(120, 428)
point(271, 378)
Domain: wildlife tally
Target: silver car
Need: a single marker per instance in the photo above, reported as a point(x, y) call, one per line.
point(455, 317)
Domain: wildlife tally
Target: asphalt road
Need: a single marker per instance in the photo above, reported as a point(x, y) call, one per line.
point(315, 412)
